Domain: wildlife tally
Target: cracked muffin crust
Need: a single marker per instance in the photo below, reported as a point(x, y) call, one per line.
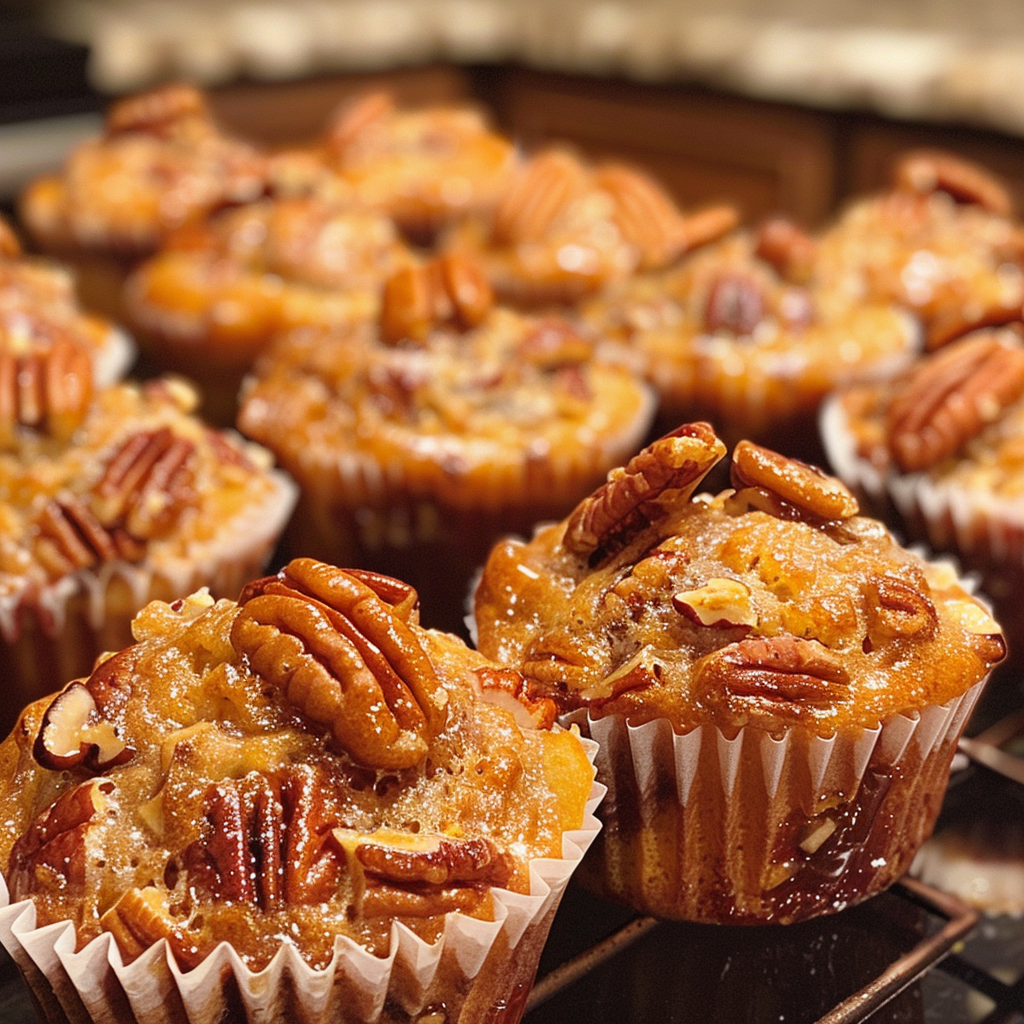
point(751, 632)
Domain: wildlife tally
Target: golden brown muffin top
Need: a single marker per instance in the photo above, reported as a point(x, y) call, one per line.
point(424, 167)
point(957, 416)
point(447, 385)
point(743, 320)
point(126, 474)
point(941, 242)
point(161, 162)
point(305, 764)
point(565, 228)
point(39, 310)
point(224, 288)
point(773, 604)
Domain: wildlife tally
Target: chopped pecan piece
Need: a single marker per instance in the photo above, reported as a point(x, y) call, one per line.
point(146, 483)
point(69, 537)
point(925, 171)
point(157, 110)
point(951, 397)
point(142, 917)
point(554, 343)
point(536, 196)
point(53, 852)
point(342, 656)
point(46, 389)
point(74, 733)
point(788, 248)
point(451, 290)
point(775, 675)
point(720, 603)
point(735, 303)
point(788, 488)
point(268, 841)
point(508, 688)
point(635, 497)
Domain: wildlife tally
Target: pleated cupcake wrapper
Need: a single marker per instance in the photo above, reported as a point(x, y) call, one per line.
point(720, 782)
point(973, 524)
point(53, 633)
point(476, 971)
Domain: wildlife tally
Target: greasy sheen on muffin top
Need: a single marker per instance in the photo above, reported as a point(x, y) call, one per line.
point(773, 603)
point(303, 764)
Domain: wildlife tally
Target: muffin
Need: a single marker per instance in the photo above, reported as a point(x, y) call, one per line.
point(564, 229)
point(424, 167)
point(942, 242)
point(110, 498)
point(777, 688)
point(39, 309)
point(940, 450)
point(299, 806)
point(161, 162)
point(742, 334)
point(421, 438)
point(216, 294)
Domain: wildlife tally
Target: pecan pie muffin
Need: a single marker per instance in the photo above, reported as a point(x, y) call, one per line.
point(942, 242)
point(109, 498)
point(299, 806)
point(564, 229)
point(776, 686)
point(215, 294)
point(425, 167)
point(420, 439)
point(940, 450)
point(161, 162)
point(39, 309)
point(742, 334)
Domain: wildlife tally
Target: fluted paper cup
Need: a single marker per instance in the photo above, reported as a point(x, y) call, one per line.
point(756, 827)
point(477, 972)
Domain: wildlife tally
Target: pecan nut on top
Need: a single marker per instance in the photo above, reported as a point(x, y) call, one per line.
point(339, 646)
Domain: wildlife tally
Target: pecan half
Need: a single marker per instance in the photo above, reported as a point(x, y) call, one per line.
point(268, 841)
point(788, 488)
point(536, 196)
point(450, 291)
point(928, 170)
point(646, 215)
point(156, 110)
point(788, 248)
point(53, 851)
point(48, 390)
point(69, 537)
point(508, 688)
point(10, 247)
point(949, 325)
point(735, 303)
point(898, 608)
point(702, 227)
point(146, 483)
point(951, 397)
point(634, 497)
point(356, 117)
point(777, 676)
point(342, 656)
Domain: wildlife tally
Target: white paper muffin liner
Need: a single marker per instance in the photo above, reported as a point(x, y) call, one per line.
point(974, 524)
point(114, 357)
point(695, 823)
point(477, 971)
point(52, 634)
